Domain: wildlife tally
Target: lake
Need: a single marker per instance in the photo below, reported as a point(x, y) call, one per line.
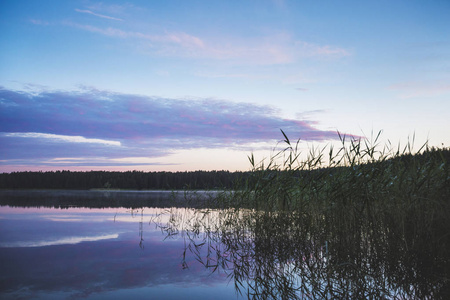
point(98, 253)
point(154, 245)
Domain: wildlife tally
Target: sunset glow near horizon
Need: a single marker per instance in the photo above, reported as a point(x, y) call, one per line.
point(199, 85)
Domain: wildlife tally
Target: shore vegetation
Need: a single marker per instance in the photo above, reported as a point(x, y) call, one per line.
point(360, 222)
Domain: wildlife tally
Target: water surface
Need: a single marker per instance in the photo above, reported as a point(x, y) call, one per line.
point(98, 253)
point(154, 245)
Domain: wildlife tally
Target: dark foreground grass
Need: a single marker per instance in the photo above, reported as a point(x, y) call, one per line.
point(358, 222)
point(357, 176)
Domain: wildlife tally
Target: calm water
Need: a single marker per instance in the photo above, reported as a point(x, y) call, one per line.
point(146, 245)
point(100, 253)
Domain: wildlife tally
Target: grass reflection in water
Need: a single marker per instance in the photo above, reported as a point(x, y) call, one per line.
point(290, 255)
point(371, 225)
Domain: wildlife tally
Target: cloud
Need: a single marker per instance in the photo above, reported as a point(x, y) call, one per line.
point(103, 127)
point(163, 43)
point(86, 11)
point(421, 89)
point(39, 22)
point(113, 9)
point(85, 162)
point(107, 116)
point(267, 50)
point(26, 150)
point(65, 138)
point(311, 49)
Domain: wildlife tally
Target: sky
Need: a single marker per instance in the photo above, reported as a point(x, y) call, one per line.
point(200, 85)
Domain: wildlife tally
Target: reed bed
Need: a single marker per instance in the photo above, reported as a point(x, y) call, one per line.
point(358, 176)
point(360, 222)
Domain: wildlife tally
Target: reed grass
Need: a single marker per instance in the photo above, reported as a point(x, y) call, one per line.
point(364, 221)
point(356, 175)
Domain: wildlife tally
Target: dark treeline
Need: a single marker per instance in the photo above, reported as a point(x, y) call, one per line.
point(133, 180)
point(196, 180)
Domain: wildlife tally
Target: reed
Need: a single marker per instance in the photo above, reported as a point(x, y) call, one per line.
point(359, 179)
point(361, 221)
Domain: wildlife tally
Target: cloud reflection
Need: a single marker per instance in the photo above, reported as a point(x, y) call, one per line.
point(95, 264)
point(64, 241)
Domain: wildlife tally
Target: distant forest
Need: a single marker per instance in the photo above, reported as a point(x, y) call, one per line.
point(133, 180)
point(196, 180)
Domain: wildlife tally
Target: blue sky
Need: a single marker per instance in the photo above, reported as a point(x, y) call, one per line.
point(189, 85)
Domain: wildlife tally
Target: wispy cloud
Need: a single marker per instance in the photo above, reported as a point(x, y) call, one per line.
point(274, 49)
point(182, 39)
point(311, 49)
point(86, 11)
point(64, 138)
point(39, 22)
point(112, 128)
point(113, 9)
point(421, 89)
point(102, 163)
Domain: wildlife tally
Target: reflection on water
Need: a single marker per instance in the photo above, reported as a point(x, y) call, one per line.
point(110, 253)
point(300, 256)
point(168, 252)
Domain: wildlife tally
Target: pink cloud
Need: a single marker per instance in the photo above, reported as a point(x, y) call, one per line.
point(273, 49)
point(126, 116)
point(115, 125)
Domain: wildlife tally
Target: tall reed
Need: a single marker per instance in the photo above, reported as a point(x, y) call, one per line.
point(363, 200)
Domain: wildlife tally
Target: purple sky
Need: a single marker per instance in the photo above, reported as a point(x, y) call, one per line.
point(91, 124)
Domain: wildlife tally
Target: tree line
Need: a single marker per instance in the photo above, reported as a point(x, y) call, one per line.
point(195, 180)
point(133, 180)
